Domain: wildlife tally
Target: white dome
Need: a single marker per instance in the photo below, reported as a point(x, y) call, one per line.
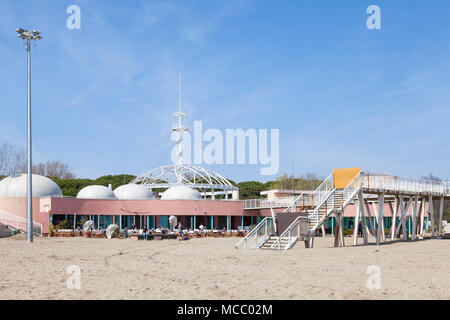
point(16, 187)
point(133, 192)
point(96, 192)
point(181, 192)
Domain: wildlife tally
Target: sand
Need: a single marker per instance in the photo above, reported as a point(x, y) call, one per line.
point(212, 269)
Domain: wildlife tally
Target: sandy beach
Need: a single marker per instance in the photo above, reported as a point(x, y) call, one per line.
point(212, 269)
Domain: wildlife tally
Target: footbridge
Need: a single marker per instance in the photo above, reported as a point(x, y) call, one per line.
point(407, 199)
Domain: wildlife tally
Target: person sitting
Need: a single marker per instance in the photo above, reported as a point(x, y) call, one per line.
point(145, 233)
point(201, 227)
point(180, 229)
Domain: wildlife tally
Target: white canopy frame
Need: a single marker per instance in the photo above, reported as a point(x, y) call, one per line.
point(208, 182)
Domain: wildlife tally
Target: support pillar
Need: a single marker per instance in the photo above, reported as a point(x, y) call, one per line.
point(216, 222)
point(414, 217)
point(356, 221)
point(441, 216)
point(404, 208)
point(339, 237)
point(332, 225)
point(369, 214)
point(422, 216)
point(380, 228)
point(394, 214)
point(432, 216)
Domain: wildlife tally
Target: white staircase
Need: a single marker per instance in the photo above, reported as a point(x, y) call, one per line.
point(325, 200)
point(258, 235)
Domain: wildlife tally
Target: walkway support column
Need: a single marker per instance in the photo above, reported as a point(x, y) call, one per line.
point(441, 216)
point(369, 214)
point(394, 213)
point(359, 218)
point(339, 237)
point(405, 208)
point(422, 216)
point(432, 215)
point(380, 227)
point(414, 217)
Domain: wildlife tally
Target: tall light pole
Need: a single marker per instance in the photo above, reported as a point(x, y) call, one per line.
point(28, 36)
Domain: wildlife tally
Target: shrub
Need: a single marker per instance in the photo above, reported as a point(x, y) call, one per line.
point(62, 225)
point(51, 229)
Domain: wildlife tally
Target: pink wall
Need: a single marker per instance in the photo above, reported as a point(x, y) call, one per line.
point(144, 207)
point(42, 207)
point(18, 207)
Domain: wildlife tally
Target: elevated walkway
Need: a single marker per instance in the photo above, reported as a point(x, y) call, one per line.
point(352, 186)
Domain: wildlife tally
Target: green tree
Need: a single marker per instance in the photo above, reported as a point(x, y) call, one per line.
point(250, 189)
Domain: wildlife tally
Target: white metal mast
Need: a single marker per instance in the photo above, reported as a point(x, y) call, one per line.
point(180, 126)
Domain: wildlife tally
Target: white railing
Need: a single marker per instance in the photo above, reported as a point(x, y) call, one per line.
point(401, 184)
point(323, 191)
point(320, 196)
point(312, 199)
point(265, 204)
point(349, 193)
point(294, 203)
point(20, 223)
point(315, 219)
point(258, 235)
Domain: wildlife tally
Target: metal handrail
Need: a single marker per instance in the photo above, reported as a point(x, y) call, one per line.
point(263, 203)
point(317, 191)
point(351, 189)
point(315, 213)
point(319, 197)
point(20, 223)
point(253, 232)
point(403, 184)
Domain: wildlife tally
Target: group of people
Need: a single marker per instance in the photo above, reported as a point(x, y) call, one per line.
point(144, 231)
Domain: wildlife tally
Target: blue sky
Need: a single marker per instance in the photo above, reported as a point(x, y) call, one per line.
point(340, 94)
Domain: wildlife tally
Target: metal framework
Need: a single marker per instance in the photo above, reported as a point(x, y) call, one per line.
point(208, 182)
point(406, 199)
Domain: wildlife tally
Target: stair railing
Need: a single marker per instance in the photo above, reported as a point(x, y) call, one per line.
point(20, 223)
point(316, 196)
point(258, 235)
point(351, 190)
point(348, 195)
